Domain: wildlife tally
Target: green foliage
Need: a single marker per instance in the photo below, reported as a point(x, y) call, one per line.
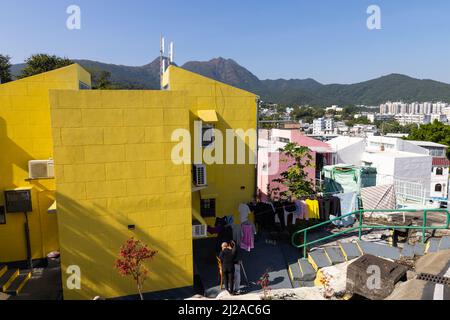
point(5, 69)
point(435, 132)
point(308, 114)
point(101, 80)
point(40, 63)
point(361, 120)
point(394, 126)
point(295, 177)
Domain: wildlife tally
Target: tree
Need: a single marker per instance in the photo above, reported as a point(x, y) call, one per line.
point(295, 178)
point(434, 132)
point(102, 80)
point(360, 120)
point(5, 69)
point(132, 257)
point(40, 63)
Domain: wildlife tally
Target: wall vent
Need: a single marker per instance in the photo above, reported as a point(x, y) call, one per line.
point(200, 175)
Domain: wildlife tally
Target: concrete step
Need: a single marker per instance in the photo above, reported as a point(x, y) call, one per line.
point(350, 250)
point(335, 255)
point(419, 249)
point(408, 251)
point(445, 243)
point(433, 245)
point(319, 259)
point(17, 285)
point(307, 272)
point(294, 274)
point(7, 278)
point(3, 269)
point(379, 250)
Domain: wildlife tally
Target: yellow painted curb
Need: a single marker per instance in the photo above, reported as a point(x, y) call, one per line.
point(8, 283)
point(23, 283)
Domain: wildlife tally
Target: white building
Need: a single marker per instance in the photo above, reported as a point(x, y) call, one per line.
point(348, 150)
point(407, 118)
point(323, 126)
point(425, 108)
point(439, 117)
point(440, 172)
point(334, 108)
point(419, 170)
point(372, 117)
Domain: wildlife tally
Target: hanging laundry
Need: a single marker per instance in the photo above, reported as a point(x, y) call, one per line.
point(248, 236)
point(298, 211)
point(289, 208)
point(237, 233)
point(313, 209)
point(244, 211)
point(264, 215)
point(349, 204)
point(279, 211)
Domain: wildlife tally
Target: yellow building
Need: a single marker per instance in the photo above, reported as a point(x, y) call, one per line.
point(115, 177)
point(25, 134)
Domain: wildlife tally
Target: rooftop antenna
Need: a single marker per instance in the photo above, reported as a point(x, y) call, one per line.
point(161, 59)
point(171, 53)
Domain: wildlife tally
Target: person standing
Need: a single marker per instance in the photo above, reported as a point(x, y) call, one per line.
point(228, 258)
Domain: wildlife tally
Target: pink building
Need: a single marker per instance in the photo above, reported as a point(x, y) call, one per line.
point(271, 163)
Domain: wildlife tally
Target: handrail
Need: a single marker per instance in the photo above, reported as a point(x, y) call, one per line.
point(361, 226)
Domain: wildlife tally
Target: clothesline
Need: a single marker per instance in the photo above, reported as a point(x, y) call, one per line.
point(320, 194)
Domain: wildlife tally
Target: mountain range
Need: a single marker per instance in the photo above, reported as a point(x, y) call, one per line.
point(393, 87)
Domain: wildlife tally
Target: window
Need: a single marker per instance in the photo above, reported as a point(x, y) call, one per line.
point(439, 171)
point(207, 135)
point(208, 208)
point(438, 188)
point(84, 86)
point(2, 215)
point(283, 140)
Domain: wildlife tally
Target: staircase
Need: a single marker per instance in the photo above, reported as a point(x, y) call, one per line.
point(307, 271)
point(12, 281)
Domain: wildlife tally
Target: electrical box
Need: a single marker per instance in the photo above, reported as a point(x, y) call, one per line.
point(18, 201)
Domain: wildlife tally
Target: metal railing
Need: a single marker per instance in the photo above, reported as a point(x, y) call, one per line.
point(361, 226)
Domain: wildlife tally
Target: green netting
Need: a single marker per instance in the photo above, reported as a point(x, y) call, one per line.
point(348, 178)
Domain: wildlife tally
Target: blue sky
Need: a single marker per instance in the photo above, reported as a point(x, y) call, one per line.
point(320, 39)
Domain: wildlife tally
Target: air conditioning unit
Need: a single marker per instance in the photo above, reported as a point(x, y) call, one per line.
point(200, 175)
point(199, 231)
point(41, 169)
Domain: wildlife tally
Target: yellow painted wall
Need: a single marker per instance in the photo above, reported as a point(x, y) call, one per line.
point(113, 167)
point(25, 134)
point(236, 109)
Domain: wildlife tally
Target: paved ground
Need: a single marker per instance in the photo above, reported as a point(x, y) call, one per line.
point(435, 264)
point(45, 284)
point(265, 256)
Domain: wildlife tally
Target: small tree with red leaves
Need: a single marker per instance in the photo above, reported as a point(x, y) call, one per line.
point(264, 282)
point(131, 260)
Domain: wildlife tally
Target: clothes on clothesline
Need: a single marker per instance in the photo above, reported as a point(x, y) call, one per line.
point(223, 230)
point(248, 236)
point(264, 214)
point(313, 209)
point(348, 204)
point(237, 235)
point(244, 211)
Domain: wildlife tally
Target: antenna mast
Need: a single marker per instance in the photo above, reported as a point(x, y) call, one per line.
point(161, 59)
